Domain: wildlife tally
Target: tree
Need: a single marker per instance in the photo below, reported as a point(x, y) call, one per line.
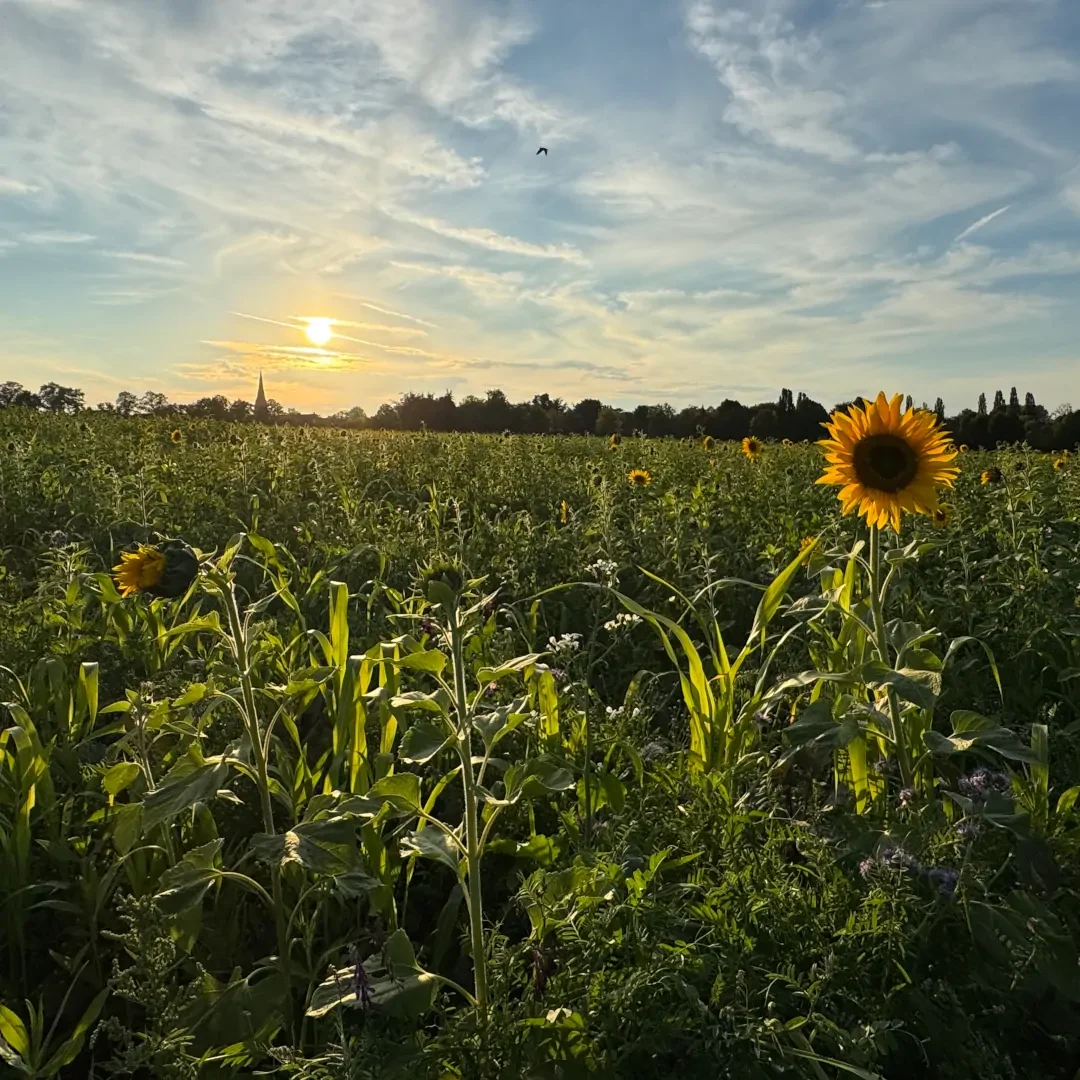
point(126, 403)
point(765, 423)
point(583, 416)
point(999, 400)
point(240, 410)
point(1029, 402)
point(786, 404)
point(1014, 399)
point(908, 403)
point(982, 405)
point(153, 403)
point(61, 399)
point(939, 410)
point(210, 408)
point(9, 391)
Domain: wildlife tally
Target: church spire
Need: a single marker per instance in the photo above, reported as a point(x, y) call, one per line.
point(262, 412)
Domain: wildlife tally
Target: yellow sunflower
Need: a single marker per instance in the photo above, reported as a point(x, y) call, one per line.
point(564, 512)
point(614, 441)
point(963, 448)
point(991, 476)
point(708, 443)
point(139, 570)
point(941, 516)
point(1060, 463)
point(785, 442)
point(639, 477)
point(752, 448)
point(177, 437)
point(886, 462)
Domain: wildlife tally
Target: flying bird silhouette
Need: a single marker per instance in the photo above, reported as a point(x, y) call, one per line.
point(542, 150)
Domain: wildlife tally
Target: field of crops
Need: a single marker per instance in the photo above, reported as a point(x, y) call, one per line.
point(467, 756)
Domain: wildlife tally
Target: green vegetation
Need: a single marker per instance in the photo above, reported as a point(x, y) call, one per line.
point(463, 756)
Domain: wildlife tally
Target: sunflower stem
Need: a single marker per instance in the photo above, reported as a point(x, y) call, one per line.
point(877, 591)
point(238, 634)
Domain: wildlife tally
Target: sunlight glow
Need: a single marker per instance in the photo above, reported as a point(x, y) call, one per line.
point(319, 331)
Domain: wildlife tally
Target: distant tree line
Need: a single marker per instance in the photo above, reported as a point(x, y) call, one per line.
point(790, 417)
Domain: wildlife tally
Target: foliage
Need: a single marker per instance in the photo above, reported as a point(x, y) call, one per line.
point(444, 763)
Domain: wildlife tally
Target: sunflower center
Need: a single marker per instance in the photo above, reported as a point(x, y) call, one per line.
point(885, 462)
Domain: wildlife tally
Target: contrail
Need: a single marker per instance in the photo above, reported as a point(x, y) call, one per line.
point(980, 223)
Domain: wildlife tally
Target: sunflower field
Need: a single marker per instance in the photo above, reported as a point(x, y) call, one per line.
point(337, 754)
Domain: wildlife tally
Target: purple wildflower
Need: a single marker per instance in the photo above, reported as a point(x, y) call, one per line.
point(907, 797)
point(866, 865)
point(362, 987)
point(944, 878)
point(968, 829)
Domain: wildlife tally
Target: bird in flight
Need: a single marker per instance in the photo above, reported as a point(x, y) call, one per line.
point(542, 150)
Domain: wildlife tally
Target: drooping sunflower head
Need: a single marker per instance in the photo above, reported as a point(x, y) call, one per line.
point(564, 512)
point(752, 448)
point(887, 462)
point(614, 441)
point(963, 448)
point(1059, 463)
point(639, 477)
point(165, 569)
point(991, 476)
point(177, 437)
point(708, 443)
point(597, 480)
point(941, 516)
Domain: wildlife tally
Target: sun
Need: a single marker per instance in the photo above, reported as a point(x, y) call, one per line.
point(319, 331)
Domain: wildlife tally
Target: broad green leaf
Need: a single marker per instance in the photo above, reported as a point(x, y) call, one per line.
point(119, 776)
point(431, 660)
point(537, 778)
point(13, 1030)
point(400, 987)
point(910, 685)
point(423, 741)
point(510, 667)
point(434, 844)
point(182, 787)
point(543, 849)
point(415, 699)
point(184, 885)
point(325, 846)
point(402, 791)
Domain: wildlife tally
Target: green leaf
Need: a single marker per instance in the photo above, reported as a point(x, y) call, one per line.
point(415, 699)
point(774, 594)
point(184, 885)
point(510, 667)
point(401, 988)
point(118, 777)
point(498, 723)
point(434, 844)
point(537, 778)
point(325, 846)
point(913, 686)
point(69, 1049)
point(356, 884)
point(13, 1031)
point(424, 660)
point(402, 791)
point(182, 787)
point(543, 849)
point(423, 741)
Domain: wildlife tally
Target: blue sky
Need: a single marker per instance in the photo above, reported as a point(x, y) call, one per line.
point(836, 196)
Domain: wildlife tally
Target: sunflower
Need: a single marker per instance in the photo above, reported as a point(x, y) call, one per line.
point(614, 441)
point(639, 477)
point(708, 443)
point(1060, 463)
point(786, 442)
point(886, 462)
point(564, 512)
point(991, 476)
point(963, 448)
point(165, 569)
point(807, 542)
point(752, 448)
point(941, 516)
point(176, 437)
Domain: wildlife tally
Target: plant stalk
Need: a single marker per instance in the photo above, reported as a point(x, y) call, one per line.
point(472, 823)
point(251, 717)
point(899, 741)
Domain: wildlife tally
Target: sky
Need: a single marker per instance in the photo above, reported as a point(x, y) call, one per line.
point(835, 196)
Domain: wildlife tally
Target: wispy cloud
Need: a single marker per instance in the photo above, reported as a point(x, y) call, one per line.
point(801, 190)
point(980, 223)
point(49, 237)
